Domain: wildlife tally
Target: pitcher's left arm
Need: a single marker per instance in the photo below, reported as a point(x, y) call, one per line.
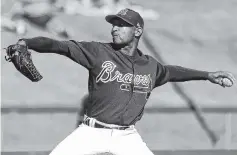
point(171, 73)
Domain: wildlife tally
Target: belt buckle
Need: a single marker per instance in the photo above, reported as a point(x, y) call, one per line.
point(125, 127)
point(118, 128)
point(121, 127)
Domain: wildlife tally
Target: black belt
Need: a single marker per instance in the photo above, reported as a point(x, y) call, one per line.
point(97, 125)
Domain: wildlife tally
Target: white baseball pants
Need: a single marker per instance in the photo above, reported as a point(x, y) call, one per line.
point(86, 140)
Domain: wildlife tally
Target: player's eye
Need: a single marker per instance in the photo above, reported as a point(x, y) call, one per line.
point(121, 25)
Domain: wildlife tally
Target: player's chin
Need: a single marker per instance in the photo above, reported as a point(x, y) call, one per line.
point(118, 42)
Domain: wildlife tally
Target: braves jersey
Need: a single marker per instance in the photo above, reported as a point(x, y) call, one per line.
point(119, 85)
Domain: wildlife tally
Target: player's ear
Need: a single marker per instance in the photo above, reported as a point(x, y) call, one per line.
point(138, 31)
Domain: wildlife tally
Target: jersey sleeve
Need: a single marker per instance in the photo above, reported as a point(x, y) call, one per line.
point(83, 53)
point(162, 75)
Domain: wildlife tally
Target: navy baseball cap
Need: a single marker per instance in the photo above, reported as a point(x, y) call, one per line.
point(130, 16)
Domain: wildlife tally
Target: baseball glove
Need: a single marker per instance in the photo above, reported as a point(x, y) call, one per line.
point(22, 60)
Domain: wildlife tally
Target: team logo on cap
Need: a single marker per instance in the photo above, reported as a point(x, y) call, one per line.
point(123, 12)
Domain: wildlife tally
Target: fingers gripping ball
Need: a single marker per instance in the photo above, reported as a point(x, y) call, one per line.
point(226, 82)
point(22, 60)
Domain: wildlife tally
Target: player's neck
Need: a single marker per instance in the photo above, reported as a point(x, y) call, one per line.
point(130, 49)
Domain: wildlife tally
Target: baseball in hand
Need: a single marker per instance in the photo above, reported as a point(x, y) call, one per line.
point(227, 82)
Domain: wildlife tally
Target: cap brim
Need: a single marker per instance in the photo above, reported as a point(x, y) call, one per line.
point(110, 18)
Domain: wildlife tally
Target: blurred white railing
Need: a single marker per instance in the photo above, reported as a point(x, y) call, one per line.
point(74, 109)
point(227, 112)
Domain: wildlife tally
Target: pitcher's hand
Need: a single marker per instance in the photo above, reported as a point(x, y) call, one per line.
point(224, 79)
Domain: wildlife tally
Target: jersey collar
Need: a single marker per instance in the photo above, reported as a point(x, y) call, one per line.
point(138, 56)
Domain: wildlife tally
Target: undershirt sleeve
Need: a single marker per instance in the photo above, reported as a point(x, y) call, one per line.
point(170, 73)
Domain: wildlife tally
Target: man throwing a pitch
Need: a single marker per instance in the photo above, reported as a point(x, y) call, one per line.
point(121, 79)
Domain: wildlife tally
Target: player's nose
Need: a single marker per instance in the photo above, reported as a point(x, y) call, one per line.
point(115, 28)
point(114, 32)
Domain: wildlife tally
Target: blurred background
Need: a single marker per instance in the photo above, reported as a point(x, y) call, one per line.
point(198, 34)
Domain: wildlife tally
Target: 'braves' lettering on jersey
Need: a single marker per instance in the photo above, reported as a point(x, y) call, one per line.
point(106, 75)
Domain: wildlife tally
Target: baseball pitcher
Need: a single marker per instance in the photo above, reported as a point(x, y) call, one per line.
point(121, 79)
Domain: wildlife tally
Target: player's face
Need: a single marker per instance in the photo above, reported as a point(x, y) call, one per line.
point(122, 32)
